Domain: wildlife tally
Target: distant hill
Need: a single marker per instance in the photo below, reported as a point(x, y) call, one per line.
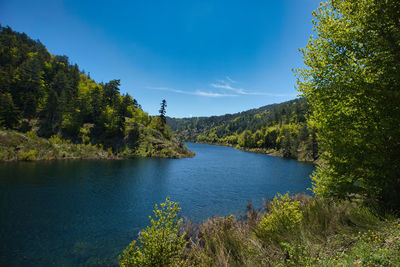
point(280, 129)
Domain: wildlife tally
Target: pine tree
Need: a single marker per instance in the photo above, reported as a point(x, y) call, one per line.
point(163, 111)
point(9, 113)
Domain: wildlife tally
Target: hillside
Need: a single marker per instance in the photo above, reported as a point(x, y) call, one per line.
point(280, 129)
point(48, 96)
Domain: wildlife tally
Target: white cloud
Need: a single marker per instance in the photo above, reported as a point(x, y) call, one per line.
point(197, 93)
point(211, 94)
point(221, 85)
point(227, 85)
point(229, 79)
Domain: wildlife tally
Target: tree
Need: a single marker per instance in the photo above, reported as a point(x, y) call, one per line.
point(352, 82)
point(49, 115)
point(30, 85)
point(163, 110)
point(111, 91)
point(9, 113)
point(161, 244)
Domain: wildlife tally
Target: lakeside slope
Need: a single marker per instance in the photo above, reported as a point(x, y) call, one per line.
point(277, 129)
point(17, 146)
point(50, 109)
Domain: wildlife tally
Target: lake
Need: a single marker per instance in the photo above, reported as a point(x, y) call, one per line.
point(85, 212)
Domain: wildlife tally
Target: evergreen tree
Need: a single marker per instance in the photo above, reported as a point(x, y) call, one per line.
point(111, 92)
point(9, 113)
point(49, 115)
point(163, 111)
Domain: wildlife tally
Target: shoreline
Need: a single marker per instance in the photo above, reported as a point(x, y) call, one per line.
point(191, 155)
point(17, 146)
point(264, 151)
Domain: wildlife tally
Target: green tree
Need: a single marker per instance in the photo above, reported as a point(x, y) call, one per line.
point(30, 85)
point(49, 115)
point(111, 92)
point(163, 110)
point(352, 82)
point(162, 243)
point(9, 113)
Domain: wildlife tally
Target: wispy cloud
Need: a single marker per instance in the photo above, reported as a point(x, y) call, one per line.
point(222, 87)
point(227, 85)
point(197, 93)
point(211, 94)
point(230, 80)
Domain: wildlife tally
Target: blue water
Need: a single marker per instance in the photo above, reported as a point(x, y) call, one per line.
point(69, 213)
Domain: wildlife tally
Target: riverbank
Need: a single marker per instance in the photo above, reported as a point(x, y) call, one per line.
point(17, 146)
point(289, 231)
point(270, 152)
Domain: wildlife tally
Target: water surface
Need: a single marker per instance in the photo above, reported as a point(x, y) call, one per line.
point(68, 213)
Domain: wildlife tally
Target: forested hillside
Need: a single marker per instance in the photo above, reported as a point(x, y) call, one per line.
point(49, 96)
point(281, 129)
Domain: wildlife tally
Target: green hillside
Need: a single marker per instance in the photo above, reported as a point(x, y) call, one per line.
point(280, 129)
point(49, 96)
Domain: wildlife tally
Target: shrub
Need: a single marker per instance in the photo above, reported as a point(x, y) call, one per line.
point(284, 216)
point(31, 135)
point(55, 139)
point(162, 243)
point(27, 156)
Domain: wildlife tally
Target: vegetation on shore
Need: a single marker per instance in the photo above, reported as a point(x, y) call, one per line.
point(48, 95)
point(280, 129)
point(351, 81)
point(29, 147)
point(288, 231)
point(17, 146)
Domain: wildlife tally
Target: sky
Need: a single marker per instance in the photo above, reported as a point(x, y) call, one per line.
point(204, 57)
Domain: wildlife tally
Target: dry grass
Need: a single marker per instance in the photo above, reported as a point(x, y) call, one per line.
point(327, 229)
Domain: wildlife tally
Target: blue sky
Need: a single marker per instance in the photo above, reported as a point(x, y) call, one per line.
point(204, 57)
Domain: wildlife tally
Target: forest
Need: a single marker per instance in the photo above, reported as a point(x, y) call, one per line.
point(56, 103)
point(278, 129)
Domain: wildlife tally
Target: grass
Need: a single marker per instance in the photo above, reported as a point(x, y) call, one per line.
point(28, 147)
point(295, 231)
point(299, 232)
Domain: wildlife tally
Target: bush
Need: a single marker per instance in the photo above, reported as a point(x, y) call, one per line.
point(162, 243)
point(31, 135)
point(27, 156)
point(284, 216)
point(55, 139)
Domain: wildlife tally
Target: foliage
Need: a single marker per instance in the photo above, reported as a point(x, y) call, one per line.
point(279, 128)
point(27, 156)
point(284, 216)
point(9, 113)
point(317, 232)
point(163, 110)
point(379, 248)
point(352, 82)
point(162, 243)
point(48, 94)
point(17, 146)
